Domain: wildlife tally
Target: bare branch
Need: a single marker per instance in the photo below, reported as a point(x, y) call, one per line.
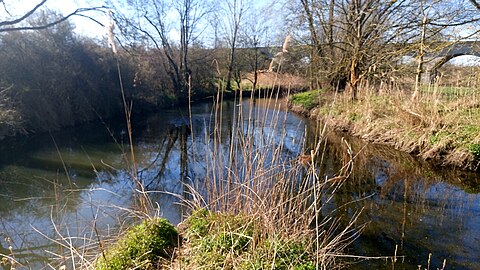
point(475, 3)
point(455, 24)
point(5, 8)
point(26, 15)
point(77, 12)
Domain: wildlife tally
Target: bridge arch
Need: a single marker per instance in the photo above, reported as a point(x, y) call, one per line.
point(431, 73)
point(438, 58)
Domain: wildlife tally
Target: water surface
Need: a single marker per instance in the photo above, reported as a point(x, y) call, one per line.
point(53, 186)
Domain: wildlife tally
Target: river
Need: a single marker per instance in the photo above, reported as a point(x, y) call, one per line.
point(64, 188)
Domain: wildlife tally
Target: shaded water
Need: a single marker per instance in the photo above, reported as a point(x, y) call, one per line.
point(407, 203)
point(411, 209)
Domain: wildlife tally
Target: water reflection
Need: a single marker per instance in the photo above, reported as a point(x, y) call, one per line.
point(406, 202)
point(75, 183)
point(410, 206)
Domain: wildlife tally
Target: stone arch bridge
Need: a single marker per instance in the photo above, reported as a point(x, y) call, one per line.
point(446, 52)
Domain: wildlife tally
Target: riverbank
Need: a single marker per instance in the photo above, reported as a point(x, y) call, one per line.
point(208, 240)
point(35, 113)
point(441, 125)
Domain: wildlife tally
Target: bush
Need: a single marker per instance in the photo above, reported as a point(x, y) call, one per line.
point(142, 247)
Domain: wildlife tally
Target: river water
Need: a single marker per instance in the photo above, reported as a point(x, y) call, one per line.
point(63, 188)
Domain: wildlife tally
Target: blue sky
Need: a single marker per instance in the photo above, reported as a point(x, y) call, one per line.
point(89, 28)
point(85, 26)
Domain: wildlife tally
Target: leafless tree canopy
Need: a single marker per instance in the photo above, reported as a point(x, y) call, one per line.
point(171, 50)
point(354, 39)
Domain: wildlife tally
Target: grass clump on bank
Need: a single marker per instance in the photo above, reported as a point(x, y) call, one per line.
point(144, 246)
point(307, 100)
point(225, 241)
point(266, 209)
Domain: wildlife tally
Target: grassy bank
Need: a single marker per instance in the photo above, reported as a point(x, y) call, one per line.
point(207, 240)
point(441, 125)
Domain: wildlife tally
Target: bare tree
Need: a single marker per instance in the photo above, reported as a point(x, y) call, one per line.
point(421, 51)
point(190, 12)
point(369, 29)
point(252, 37)
point(234, 11)
point(352, 40)
point(153, 21)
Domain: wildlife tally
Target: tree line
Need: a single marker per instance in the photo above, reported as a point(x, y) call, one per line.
point(175, 49)
point(50, 77)
point(334, 43)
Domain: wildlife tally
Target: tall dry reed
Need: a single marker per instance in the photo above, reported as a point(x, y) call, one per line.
point(252, 172)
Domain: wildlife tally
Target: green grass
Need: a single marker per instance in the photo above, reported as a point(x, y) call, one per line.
point(449, 92)
point(475, 150)
point(307, 100)
point(225, 241)
point(438, 137)
point(142, 247)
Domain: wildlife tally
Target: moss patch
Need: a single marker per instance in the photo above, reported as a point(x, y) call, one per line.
point(142, 247)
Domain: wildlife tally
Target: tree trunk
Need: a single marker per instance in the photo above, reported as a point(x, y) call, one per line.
point(230, 64)
point(237, 11)
point(331, 10)
point(353, 79)
point(421, 54)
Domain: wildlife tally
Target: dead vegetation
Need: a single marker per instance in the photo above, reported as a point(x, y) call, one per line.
point(441, 125)
point(267, 79)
